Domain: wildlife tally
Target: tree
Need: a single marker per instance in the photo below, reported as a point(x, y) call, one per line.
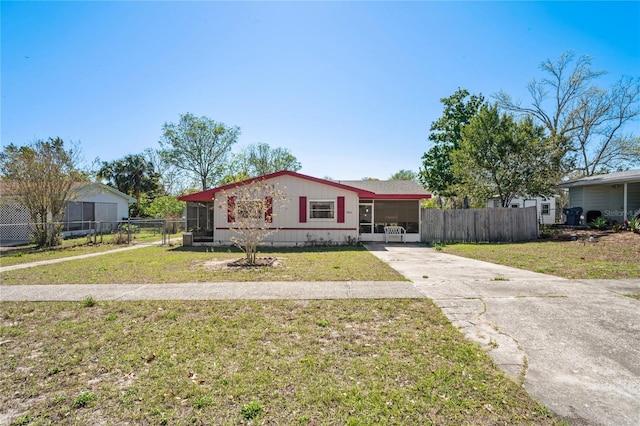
point(404, 175)
point(41, 175)
point(132, 175)
point(584, 121)
point(446, 133)
point(162, 207)
point(200, 146)
point(499, 156)
point(251, 208)
point(171, 180)
point(260, 159)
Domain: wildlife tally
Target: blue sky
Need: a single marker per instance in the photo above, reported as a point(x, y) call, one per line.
point(350, 88)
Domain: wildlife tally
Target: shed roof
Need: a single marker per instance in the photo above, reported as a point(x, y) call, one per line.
point(628, 176)
point(382, 190)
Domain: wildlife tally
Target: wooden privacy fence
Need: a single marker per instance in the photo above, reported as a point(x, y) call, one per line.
point(479, 225)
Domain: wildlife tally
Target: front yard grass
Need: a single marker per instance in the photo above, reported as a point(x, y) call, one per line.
point(337, 362)
point(201, 264)
point(74, 247)
point(568, 259)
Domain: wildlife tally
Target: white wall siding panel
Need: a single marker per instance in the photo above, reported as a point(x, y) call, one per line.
point(286, 217)
point(633, 199)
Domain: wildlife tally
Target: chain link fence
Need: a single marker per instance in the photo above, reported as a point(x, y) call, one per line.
point(123, 231)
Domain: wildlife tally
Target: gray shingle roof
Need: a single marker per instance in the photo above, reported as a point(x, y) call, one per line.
point(382, 187)
point(611, 178)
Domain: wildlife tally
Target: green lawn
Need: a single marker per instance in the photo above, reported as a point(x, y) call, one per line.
point(200, 264)
point(74, 247)
point(337, 362)
point(568, 259)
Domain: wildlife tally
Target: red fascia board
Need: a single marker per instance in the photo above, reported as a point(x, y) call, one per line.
point(202, 196)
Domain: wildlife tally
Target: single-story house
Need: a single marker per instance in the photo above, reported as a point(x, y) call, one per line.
point(315, 210)
point(545, 207)
point(614, 196)
point(89, 202)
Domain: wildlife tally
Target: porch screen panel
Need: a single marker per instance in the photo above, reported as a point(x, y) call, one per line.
point(396, 213)
point(88, 215)
point(73, 217)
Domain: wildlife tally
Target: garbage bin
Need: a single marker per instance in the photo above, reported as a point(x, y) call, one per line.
point(187, 239)
point(573, 215)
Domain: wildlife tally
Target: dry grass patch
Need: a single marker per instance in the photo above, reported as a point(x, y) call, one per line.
point(355, 362)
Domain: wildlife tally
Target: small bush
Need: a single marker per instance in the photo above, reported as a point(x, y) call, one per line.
point(83, 400)
point(25, 419)
point(251, 410)
point(599, 223)
point(202, 401)
point(88, 302)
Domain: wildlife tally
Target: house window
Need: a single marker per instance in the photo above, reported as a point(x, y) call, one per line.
point(545, 209)
point(321, 209)
point(253, 209)
point(515, 205)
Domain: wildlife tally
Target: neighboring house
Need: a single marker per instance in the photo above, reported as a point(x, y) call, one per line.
point(90, 202)
point(94, 202)
point(614, 196)
point(546, 207)
point(317, 210)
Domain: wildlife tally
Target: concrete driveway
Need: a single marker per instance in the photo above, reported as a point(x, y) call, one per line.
point(574, 345)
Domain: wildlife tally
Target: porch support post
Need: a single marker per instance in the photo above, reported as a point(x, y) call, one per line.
point(624, 197)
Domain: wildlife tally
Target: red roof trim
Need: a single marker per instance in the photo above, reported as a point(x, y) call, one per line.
point(208, 195)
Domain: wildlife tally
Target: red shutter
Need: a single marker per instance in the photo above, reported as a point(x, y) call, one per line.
point(268, 215)
point(303, 210)
point(340, 209)
point(231, 209)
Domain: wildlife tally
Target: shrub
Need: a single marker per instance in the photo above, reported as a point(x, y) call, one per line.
point(599, 223)
point(83, 400)
point(251, 410)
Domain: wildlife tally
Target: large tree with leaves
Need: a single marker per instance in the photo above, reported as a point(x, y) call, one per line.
point(200, 146)
point(404, 175)
point(585, 122)
point(41, 175)
point(133, 175)
point(501, 156)
point(436, 172)
point(258, 160)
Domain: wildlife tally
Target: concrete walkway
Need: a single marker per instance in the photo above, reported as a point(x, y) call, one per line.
point(573, 344)
point(81, 256)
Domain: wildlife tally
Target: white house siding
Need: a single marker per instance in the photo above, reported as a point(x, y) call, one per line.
point(108, 212)
point(576, 197)
point(292, 231)
point(546, 219)
point(606, 199)
point(633, 199)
